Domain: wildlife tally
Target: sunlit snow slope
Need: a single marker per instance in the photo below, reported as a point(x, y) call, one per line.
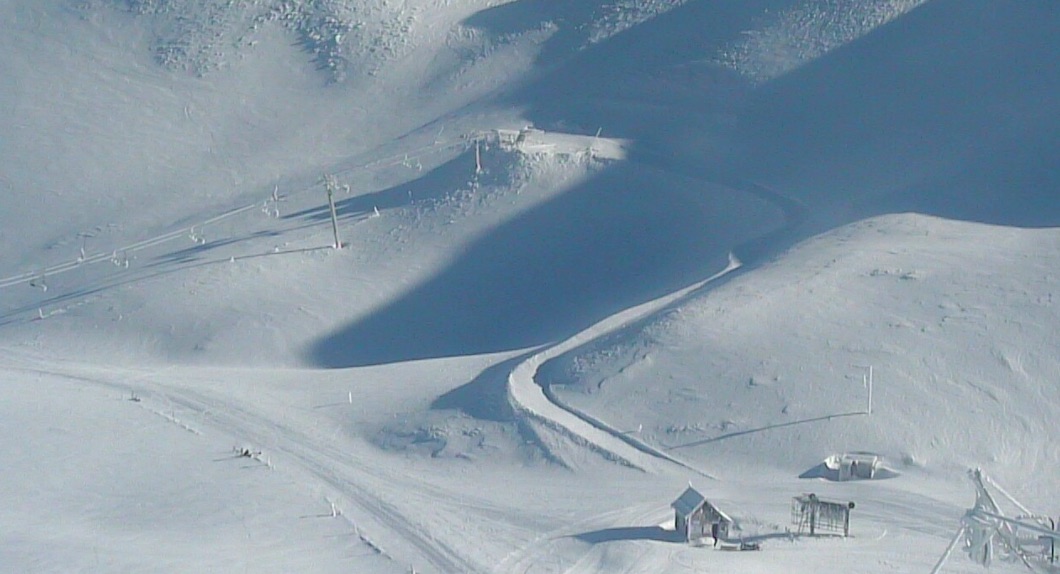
point(590, 251)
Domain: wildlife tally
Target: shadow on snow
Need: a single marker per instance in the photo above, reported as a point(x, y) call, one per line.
point(948, 110)
point(631, 533)
point(615, 241)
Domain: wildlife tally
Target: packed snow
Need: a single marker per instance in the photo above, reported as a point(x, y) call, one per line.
point(592, 253)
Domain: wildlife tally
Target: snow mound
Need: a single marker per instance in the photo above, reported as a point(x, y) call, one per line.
point(789, 38)
point(621, 15)
point(343, 37)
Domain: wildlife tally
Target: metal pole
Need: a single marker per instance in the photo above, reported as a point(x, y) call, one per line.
point(870, 390)
point(813, 516)
point(1032, 527)
point(329, 183)
point(1052, 543)
point(949, 550)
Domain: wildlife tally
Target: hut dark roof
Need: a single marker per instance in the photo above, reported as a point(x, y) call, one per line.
point(689, 501)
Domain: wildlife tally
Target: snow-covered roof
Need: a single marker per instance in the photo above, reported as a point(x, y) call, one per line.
point(689, 501)
point(860, 457)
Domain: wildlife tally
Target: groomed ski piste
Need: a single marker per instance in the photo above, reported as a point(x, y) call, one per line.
point(591, 254)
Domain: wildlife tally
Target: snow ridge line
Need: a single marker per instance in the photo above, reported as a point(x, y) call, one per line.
point(534, 401)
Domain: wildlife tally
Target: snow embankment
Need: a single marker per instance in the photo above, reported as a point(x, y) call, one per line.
point(957, 319)
point(534, 401)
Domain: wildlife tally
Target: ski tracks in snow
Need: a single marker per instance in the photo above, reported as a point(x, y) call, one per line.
point(362, 492)
point(540, 553)
point(361, 488)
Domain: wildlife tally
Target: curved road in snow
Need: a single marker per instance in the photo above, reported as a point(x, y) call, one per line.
point(538, 404)
point(530, 399)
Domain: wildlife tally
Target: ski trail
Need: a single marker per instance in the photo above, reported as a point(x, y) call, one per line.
point(531, 400)
point(539, 550)
point(363, 492)
point(359, 491)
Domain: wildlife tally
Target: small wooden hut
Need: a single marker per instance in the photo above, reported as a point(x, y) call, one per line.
point(694, 516)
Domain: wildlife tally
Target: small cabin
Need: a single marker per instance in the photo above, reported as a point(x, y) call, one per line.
point(857, 466)
point(694, 516)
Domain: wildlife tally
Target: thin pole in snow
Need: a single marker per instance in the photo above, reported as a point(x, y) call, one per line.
point(949, 550)
point(478, 159)
point(330, 184)
point(869, 411)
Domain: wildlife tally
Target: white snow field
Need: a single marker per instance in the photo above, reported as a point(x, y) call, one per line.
point(592, 252)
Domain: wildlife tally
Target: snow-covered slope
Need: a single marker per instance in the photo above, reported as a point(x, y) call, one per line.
point(957, 320)
point(533, 338)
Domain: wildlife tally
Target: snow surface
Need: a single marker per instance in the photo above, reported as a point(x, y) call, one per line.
point(592, 252)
